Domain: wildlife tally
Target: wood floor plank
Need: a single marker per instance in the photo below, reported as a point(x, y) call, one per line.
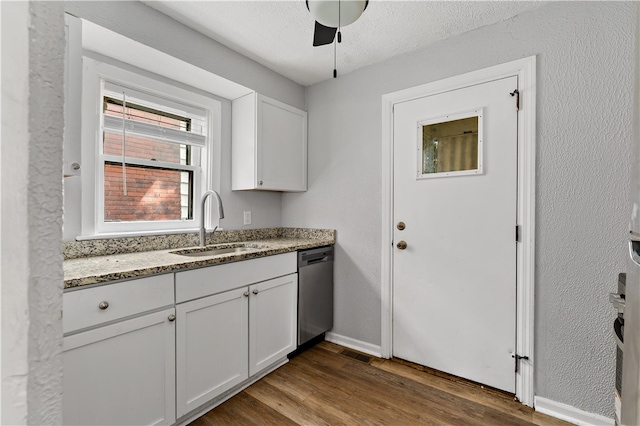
point(287, 382)
point(329, 346)
point(417, 405)
point(221, 415)
point(323, 386)
point(414, 400)
point(289, 407)
point(261, 413)
point(496, 401)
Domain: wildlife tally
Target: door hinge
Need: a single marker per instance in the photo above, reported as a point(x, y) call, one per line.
point(517, 358)
point(516, 93)
point(517, 233)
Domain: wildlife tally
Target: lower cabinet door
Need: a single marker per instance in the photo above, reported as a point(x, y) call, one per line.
point(212, 347)
point(121, 374)
point(273, 313)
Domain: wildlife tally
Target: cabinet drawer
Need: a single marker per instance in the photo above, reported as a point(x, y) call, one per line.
point(82, 308)
point(216, 279)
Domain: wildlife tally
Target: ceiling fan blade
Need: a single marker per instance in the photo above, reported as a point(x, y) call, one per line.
point(323, 35)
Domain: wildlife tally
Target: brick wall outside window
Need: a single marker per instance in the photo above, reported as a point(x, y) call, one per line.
point(152, 193)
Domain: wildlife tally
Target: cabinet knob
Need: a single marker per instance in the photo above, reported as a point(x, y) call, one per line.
point(246, 293)
point(103, 305)
point(260, 183)
point(255, 291)
point(171, 317)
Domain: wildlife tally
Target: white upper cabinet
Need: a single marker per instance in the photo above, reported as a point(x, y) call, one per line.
point(269, 145)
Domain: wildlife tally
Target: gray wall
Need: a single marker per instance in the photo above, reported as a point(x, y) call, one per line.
point(31, 212)
point(585, 63)
point(152, 28)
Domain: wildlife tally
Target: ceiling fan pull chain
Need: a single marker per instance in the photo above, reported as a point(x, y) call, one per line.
point(335, 68)
point(335, 45)
point(339, 22)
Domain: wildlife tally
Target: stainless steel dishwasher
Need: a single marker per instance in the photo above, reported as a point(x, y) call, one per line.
point(315, 293)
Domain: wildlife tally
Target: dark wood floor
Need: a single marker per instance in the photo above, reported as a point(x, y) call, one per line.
point(322, 386)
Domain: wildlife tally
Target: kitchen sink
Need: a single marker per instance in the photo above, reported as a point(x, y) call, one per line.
point(213, 251)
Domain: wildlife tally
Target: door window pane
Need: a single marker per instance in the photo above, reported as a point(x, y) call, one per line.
point(451, 147)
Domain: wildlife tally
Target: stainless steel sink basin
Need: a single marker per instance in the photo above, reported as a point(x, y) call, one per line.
point(214, 251)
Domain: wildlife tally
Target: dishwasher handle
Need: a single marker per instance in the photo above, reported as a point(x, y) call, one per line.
point(310, 257)
point(317, 260)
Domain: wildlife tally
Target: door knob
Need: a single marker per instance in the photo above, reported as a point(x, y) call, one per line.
point(401, 226)
point(402, 245)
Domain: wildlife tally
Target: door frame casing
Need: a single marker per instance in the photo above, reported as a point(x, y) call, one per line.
point(525, 70)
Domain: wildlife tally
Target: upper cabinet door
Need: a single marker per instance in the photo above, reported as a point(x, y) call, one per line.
point(269, 145)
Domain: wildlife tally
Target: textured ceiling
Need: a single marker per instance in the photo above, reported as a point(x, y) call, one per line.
point(279, 34)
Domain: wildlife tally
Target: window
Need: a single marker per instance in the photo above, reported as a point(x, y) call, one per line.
point(450, 145)
point(153, 149)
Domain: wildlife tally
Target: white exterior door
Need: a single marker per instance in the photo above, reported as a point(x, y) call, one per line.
point(455, 189)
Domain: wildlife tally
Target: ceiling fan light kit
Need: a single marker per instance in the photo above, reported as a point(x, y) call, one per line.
point(330, 16)
point(336, 13)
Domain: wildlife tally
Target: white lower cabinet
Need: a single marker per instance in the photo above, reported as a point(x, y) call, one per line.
point(212, 347)
point(224, 339)
point(152, 350)
point(273, 310)
point(121, 374)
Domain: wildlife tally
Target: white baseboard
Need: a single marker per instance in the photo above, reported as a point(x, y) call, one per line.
point(570, 414)
point(354, 344)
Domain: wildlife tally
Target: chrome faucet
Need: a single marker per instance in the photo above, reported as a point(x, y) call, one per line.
point(220, 214)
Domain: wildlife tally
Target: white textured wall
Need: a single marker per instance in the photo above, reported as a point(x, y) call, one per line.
point(31, 216)
point(139, 22)
point(585, 61)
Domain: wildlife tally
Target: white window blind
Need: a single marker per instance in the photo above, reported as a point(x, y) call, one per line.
point(196, 134)
point(137, 128)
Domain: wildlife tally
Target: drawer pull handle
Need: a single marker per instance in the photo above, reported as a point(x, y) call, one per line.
point(103, 305)
point(171, 317)
point(255, 291)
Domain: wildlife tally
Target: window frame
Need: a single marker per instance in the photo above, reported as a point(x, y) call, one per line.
point(476, 112)
point(206, 175)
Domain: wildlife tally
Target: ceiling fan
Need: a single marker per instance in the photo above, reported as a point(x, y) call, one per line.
point(331, 15)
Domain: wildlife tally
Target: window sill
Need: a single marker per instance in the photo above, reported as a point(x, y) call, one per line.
point(109, 235)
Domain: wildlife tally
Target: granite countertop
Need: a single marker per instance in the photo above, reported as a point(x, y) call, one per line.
point(81, 271)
